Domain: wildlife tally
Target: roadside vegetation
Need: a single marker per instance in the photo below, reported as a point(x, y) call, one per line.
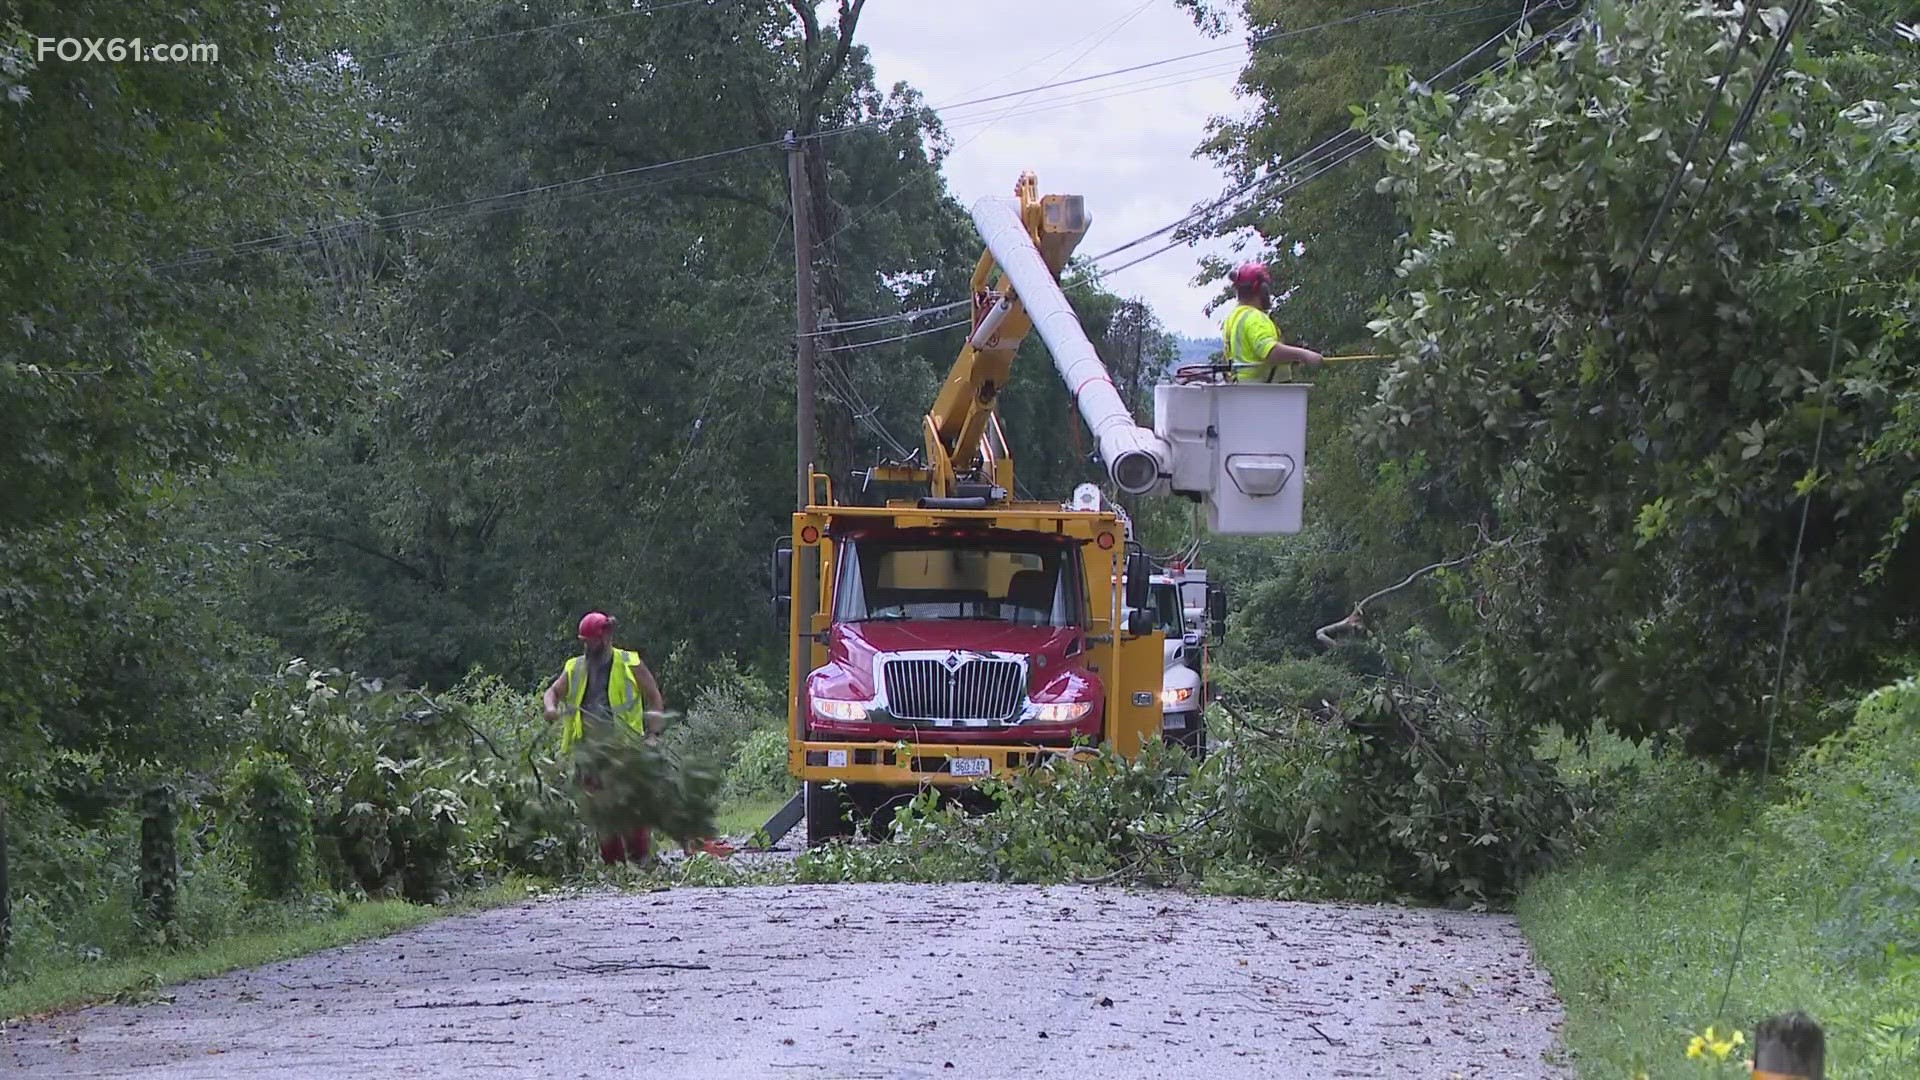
point(1639, 932)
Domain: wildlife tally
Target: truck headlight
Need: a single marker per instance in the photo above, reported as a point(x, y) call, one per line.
point(1176, 695)
point(829, 709)
point(1057, 712)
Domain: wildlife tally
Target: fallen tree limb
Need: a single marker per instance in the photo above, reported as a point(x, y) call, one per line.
point(1356, 619)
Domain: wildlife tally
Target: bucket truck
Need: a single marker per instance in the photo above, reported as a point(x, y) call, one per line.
point(963, 634)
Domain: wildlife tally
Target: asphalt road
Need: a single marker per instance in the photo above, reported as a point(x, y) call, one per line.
point(856, 981)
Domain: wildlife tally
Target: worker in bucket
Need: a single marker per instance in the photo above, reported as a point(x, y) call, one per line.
point(604, 685)
point(1254, 351)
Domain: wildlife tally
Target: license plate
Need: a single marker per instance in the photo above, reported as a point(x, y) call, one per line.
point(969, 766)
point(1173, 721)
point(836, 759)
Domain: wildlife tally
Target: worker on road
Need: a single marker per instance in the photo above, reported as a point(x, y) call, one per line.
point(604, 685)
point(1254, 351)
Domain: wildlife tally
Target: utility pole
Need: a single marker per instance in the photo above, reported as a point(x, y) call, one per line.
point(803, 307)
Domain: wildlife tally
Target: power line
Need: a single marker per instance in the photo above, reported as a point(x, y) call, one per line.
point(1337, 150)
point(890, 340)
point(1349, 153)
point(399, 218)
point(1344, 145)
point(904, 316)
point(1181, 78)
point(1693, 142)
point(1111, 30)
point(1171, 79)
point(1321, 159)
point(1749, 110)
point(1806, 496)
point(1259, 39)
point(315, 234)
point(1786, 637)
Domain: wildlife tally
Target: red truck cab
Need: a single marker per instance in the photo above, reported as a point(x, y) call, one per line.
point(939, 649)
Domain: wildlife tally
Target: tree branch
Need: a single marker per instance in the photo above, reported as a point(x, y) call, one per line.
point(1356, 618)
point(849, 18)
point(809, 27)
point(366, 549)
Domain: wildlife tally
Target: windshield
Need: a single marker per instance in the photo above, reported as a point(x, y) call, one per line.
point(954, 579)
point(1167, 613)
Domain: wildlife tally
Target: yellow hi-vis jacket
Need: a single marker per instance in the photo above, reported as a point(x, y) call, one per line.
point(623, 696)
point(1250, 338)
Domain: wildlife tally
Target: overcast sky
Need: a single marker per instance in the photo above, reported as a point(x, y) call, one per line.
point(1125, 143)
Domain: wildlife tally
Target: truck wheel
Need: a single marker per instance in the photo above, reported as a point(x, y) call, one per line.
point(826, 819)
point(875, 812)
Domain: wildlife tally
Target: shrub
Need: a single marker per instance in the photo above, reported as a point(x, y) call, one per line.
point(1405, 790)
point(725, 713)
point(1102, 817)
point(1313, 683)
point(759, 767)
point(274, 819)
point(390, 772)
point(1850, 821)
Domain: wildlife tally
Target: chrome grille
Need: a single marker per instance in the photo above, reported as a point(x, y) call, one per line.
point(976, 690)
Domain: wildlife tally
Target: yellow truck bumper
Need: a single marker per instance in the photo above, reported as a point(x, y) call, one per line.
point(913, 765)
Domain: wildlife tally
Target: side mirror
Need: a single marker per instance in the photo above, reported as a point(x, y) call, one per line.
point(780, 579)
point(1139, 590)
point(1140, 621)
point(1191, 640)
point(1216, 612)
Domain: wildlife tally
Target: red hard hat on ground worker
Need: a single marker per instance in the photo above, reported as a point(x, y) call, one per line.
point(1248, 275)
point(595, 625)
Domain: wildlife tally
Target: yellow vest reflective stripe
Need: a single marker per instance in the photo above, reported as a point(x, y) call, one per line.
point(623, 696)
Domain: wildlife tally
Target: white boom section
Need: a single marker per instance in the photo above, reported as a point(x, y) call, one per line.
point(1136, 458)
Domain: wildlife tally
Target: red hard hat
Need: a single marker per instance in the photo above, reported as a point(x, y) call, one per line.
point(595, 625)
point(1250, 274)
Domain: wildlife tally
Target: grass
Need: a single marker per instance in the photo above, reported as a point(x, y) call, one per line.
point(59, 986)
point(1639, 932)
point(743, 818)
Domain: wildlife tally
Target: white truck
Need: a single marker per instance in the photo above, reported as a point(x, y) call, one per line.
point(1192, 615)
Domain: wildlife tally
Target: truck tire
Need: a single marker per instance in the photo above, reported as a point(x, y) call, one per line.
point(874, 810)
point(826, 818)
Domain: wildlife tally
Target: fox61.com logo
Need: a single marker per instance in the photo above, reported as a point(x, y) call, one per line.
point(121, 50)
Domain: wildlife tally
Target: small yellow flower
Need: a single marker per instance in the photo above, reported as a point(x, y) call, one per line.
point(1711, 1045)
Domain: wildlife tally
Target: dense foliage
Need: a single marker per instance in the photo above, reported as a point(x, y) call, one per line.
point(1653, 435)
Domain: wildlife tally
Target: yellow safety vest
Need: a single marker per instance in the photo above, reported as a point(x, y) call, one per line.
point(623, 696)
point(1246, 331)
